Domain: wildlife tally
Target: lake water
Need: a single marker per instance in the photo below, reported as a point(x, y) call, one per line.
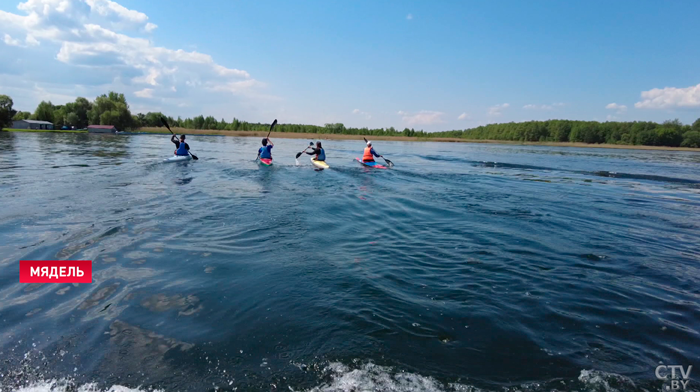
point(498, 267)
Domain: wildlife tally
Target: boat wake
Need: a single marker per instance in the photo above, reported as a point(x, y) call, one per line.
point(333, 377)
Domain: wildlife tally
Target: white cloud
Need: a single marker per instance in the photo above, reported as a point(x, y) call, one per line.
point(497, 110)
point(31, 41)
point(424, 117)
point(610, 117)
point(361, 113)
point(614, 106)
point(538, 107)
point(409, 17)
point(111, 9)
point(233, 87)
point(543, 106)
point(101, 45)
point(145, 93)
point(11, 41)
point(670, 97)
point(463, 116)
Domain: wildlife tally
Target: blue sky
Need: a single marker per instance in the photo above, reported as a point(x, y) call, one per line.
point(418, 64)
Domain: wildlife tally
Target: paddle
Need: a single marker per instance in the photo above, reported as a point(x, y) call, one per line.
point(165, 122)
point(299, 153)
point(388, 162)
point(267, 137)
point(271, 126)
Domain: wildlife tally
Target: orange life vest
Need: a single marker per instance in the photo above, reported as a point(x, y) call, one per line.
point(367, 157)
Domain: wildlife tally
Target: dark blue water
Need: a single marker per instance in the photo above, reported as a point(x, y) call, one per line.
point(465, 266)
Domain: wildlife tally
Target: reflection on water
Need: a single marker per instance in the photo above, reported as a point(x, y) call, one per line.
point(498, 267)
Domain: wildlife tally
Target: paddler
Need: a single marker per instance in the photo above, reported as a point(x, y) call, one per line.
point(319, 152)
point(181, 148)
point(369, 154)
point(265, 152)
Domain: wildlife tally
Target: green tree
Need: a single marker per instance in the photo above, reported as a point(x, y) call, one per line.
point(6, 111)
point(44, 112)
point(59, 116)
point(72, 119)
point(198, 122)
point(111, 109)
point(696, 125)
point(669, 136)
point(559, 130)
point(647, 138)
point(691, 139)
point(81, 107)
point(22, 116)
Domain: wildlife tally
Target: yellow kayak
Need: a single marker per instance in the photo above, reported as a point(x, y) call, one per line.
point(320, 164)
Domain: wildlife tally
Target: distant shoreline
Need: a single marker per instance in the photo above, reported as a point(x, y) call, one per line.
point(332, 136)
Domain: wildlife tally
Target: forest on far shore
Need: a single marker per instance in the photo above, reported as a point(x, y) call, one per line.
point(112, 109)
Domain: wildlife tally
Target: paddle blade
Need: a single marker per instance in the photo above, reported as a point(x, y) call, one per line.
point(298, 155)
point(388, 162)
point(194, 156)
point(272, 126)
point(165, 122)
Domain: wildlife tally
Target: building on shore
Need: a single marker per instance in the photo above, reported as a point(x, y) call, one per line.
point(102, 129)
point(31, 124)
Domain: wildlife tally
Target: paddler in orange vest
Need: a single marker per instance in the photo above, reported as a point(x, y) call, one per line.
point(369, 154)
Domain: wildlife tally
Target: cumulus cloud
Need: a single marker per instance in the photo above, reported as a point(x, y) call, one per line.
point(409, 17)
point(11, 41)
point(361, 113)
point(669, 98)
point(112, 9)
point(614, 106)
point(497, 110)
point(543, 106)
point(463, 116)
point(31, 41)
point(99, 43)
point(538, 107)
point(145, 93)
point(424, 117)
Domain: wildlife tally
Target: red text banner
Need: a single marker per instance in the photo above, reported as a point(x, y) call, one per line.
point(55, 271)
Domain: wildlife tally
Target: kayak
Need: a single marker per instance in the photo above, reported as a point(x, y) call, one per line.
point(177, 158)
point(320, 164)
point(371, 164)
point(266, 161)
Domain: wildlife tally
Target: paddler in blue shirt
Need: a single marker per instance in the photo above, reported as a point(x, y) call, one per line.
point(182, 148)
point(265, 152)
point(319, 152)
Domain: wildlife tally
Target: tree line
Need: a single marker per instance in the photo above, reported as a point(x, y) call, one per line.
point(112, 109)
point(670, 133)
point(107, 109)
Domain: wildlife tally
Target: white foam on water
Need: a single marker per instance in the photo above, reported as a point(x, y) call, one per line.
point(68, 386)
point(371, 377)
point(602, 381)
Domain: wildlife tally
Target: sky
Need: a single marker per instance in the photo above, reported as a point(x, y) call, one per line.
point(431, 65)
